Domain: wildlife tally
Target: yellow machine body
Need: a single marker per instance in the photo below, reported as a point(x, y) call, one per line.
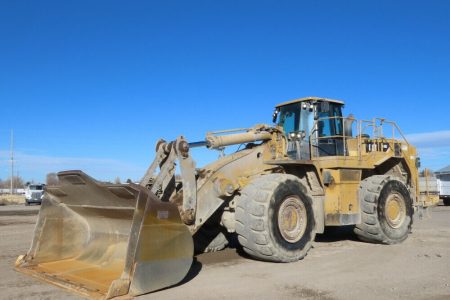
point(105, 240)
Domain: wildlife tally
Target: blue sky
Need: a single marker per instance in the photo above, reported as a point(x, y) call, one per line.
point(92, 85)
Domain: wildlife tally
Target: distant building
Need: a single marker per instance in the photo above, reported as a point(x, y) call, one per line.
point(444, 180)
point(443, 171)
point(16, 191)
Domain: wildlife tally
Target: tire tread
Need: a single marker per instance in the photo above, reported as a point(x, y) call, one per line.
point(370, 229)
point(252, 224)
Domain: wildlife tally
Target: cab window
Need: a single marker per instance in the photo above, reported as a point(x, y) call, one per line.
point(330, 120)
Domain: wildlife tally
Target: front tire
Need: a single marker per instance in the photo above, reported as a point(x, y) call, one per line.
point(386, 210)
point(275, 219)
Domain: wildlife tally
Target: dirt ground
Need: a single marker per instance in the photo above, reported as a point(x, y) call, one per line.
point(339, 267)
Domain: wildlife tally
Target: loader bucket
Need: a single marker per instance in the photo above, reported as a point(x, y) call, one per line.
point(105, 241)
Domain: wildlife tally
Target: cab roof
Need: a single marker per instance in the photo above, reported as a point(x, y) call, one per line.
point(310, 99)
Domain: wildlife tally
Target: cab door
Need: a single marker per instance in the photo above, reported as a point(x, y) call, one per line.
point(330, 141)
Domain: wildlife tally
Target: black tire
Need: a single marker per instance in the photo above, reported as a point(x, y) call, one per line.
point(378, 193)
point(257, 218)
point(209, 239)
point(446, 201)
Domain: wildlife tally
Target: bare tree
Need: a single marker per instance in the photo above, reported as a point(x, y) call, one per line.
point(426, 173)
point(52, 179)
point(17, 183)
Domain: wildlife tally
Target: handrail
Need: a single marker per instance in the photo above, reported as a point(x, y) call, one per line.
point(361, 127)
point(394, 124)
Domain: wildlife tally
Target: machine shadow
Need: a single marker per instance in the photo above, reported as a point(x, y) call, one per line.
point(336, 234)
point(195, 269)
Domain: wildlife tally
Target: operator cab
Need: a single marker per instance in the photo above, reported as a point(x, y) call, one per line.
point(312, 123)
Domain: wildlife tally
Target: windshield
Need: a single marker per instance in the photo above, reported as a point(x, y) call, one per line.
point(294, 118)
point(290, 117)
point(36, 187)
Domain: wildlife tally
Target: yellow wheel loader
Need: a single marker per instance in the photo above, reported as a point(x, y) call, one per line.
point(312, 168)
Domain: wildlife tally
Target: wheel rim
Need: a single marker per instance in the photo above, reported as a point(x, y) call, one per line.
point(395, 210)
point(292, 219)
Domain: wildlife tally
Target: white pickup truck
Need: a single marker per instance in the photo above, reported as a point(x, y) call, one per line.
point(34, 194)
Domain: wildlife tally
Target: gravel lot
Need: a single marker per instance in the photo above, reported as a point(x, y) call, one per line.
point(339, 267)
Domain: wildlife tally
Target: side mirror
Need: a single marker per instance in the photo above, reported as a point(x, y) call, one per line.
point(275, 115)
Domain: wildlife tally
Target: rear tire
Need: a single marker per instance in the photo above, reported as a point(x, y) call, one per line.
point(446, 201)
point(275, 219)
point(386, 210)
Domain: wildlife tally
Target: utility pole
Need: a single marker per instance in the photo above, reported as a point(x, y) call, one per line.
point(12, 162)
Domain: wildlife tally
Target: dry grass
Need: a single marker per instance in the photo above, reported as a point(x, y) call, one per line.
point(12, 199)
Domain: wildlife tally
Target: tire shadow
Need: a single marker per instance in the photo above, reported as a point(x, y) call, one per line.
point(331, 235)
